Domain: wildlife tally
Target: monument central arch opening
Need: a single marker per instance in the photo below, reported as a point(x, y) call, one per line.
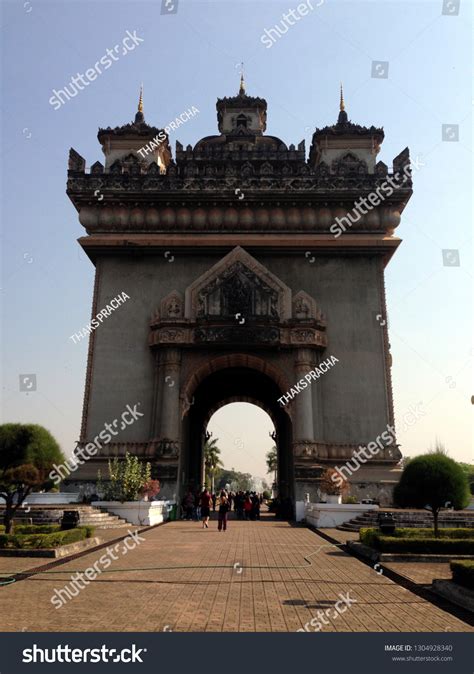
point(244, 434)
point(235, 383)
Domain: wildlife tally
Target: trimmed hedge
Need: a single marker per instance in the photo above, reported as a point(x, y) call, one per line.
point(463, 573)
point(421, 541)
point(33, 528)
point(448, 532)
point(44, 540)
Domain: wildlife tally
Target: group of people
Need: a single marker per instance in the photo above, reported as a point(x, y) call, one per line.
point(197, 506)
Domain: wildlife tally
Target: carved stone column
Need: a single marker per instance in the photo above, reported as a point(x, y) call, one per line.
point(303, 402)
point(169, 373)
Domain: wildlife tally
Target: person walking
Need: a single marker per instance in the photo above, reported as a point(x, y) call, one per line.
point(255, 512)
point(205, 508)
point(214, 501)
point(223, 510)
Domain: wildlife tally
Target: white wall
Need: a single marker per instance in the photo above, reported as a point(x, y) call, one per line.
point(330, 515)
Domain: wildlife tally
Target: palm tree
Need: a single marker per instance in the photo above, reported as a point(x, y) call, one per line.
point(212, 461)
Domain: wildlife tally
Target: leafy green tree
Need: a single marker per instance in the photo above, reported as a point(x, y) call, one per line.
point(236, 480)
point(28, 453)
point(432, 481)
point(212, 461)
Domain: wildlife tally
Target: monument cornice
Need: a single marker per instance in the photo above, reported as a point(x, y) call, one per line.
point(192, 334)
point(292, 244)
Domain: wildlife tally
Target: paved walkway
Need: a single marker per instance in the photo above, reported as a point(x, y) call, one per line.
point(254, 577)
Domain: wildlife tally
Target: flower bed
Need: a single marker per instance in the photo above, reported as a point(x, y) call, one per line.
point(421, 541)
point(463, 573)
point(42, 537)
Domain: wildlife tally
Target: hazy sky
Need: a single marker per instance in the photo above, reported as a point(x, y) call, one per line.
point(189, 59)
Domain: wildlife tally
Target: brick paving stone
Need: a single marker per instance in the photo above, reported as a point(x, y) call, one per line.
point(277, 589)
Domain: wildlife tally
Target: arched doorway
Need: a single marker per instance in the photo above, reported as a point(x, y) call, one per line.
point(218, 388)
point(245, 435)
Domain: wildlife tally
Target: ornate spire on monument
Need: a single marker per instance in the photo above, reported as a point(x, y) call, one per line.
point(139, 117)
point(242, 83)
point(342, 119)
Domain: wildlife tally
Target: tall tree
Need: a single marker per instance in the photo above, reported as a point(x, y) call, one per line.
point(272, 462)
point(212, 460)
point(28, 453)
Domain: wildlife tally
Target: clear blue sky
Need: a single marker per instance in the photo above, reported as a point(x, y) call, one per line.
point(191, 58)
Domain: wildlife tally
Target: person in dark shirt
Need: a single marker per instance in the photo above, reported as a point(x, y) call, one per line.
point(239, 505)
point(206, 499)
point(214, 501)
point(255, 507)
point(188, 503)
point(223, 510)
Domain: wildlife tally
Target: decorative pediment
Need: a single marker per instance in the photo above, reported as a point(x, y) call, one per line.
point(349, 165)
point(97, 167)
point(238, 301)
point(238, 284)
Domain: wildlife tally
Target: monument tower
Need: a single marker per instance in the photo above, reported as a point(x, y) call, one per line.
point(247, 264)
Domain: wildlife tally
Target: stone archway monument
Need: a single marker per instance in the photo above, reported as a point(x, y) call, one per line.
point(249, 267)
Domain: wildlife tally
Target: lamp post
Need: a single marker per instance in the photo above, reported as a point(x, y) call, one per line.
point(273, 435)
point(207, 437)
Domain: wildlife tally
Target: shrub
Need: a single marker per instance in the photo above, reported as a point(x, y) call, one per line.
point(127, 477)
point(34, 528)
point(25, 541)
point(150, 489)
point(432, 481)
point(463, 573)
point(367, 536)
point(350, 499)
point(421, 541)
point(28, 453)
point(332, 483)
point(448, 532)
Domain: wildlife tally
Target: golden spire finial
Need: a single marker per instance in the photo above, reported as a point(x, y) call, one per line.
point(341, 103)
point(140, 100)
point(242, 82)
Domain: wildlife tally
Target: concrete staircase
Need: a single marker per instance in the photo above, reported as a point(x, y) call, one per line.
point(411, 518)
point(88, 515)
